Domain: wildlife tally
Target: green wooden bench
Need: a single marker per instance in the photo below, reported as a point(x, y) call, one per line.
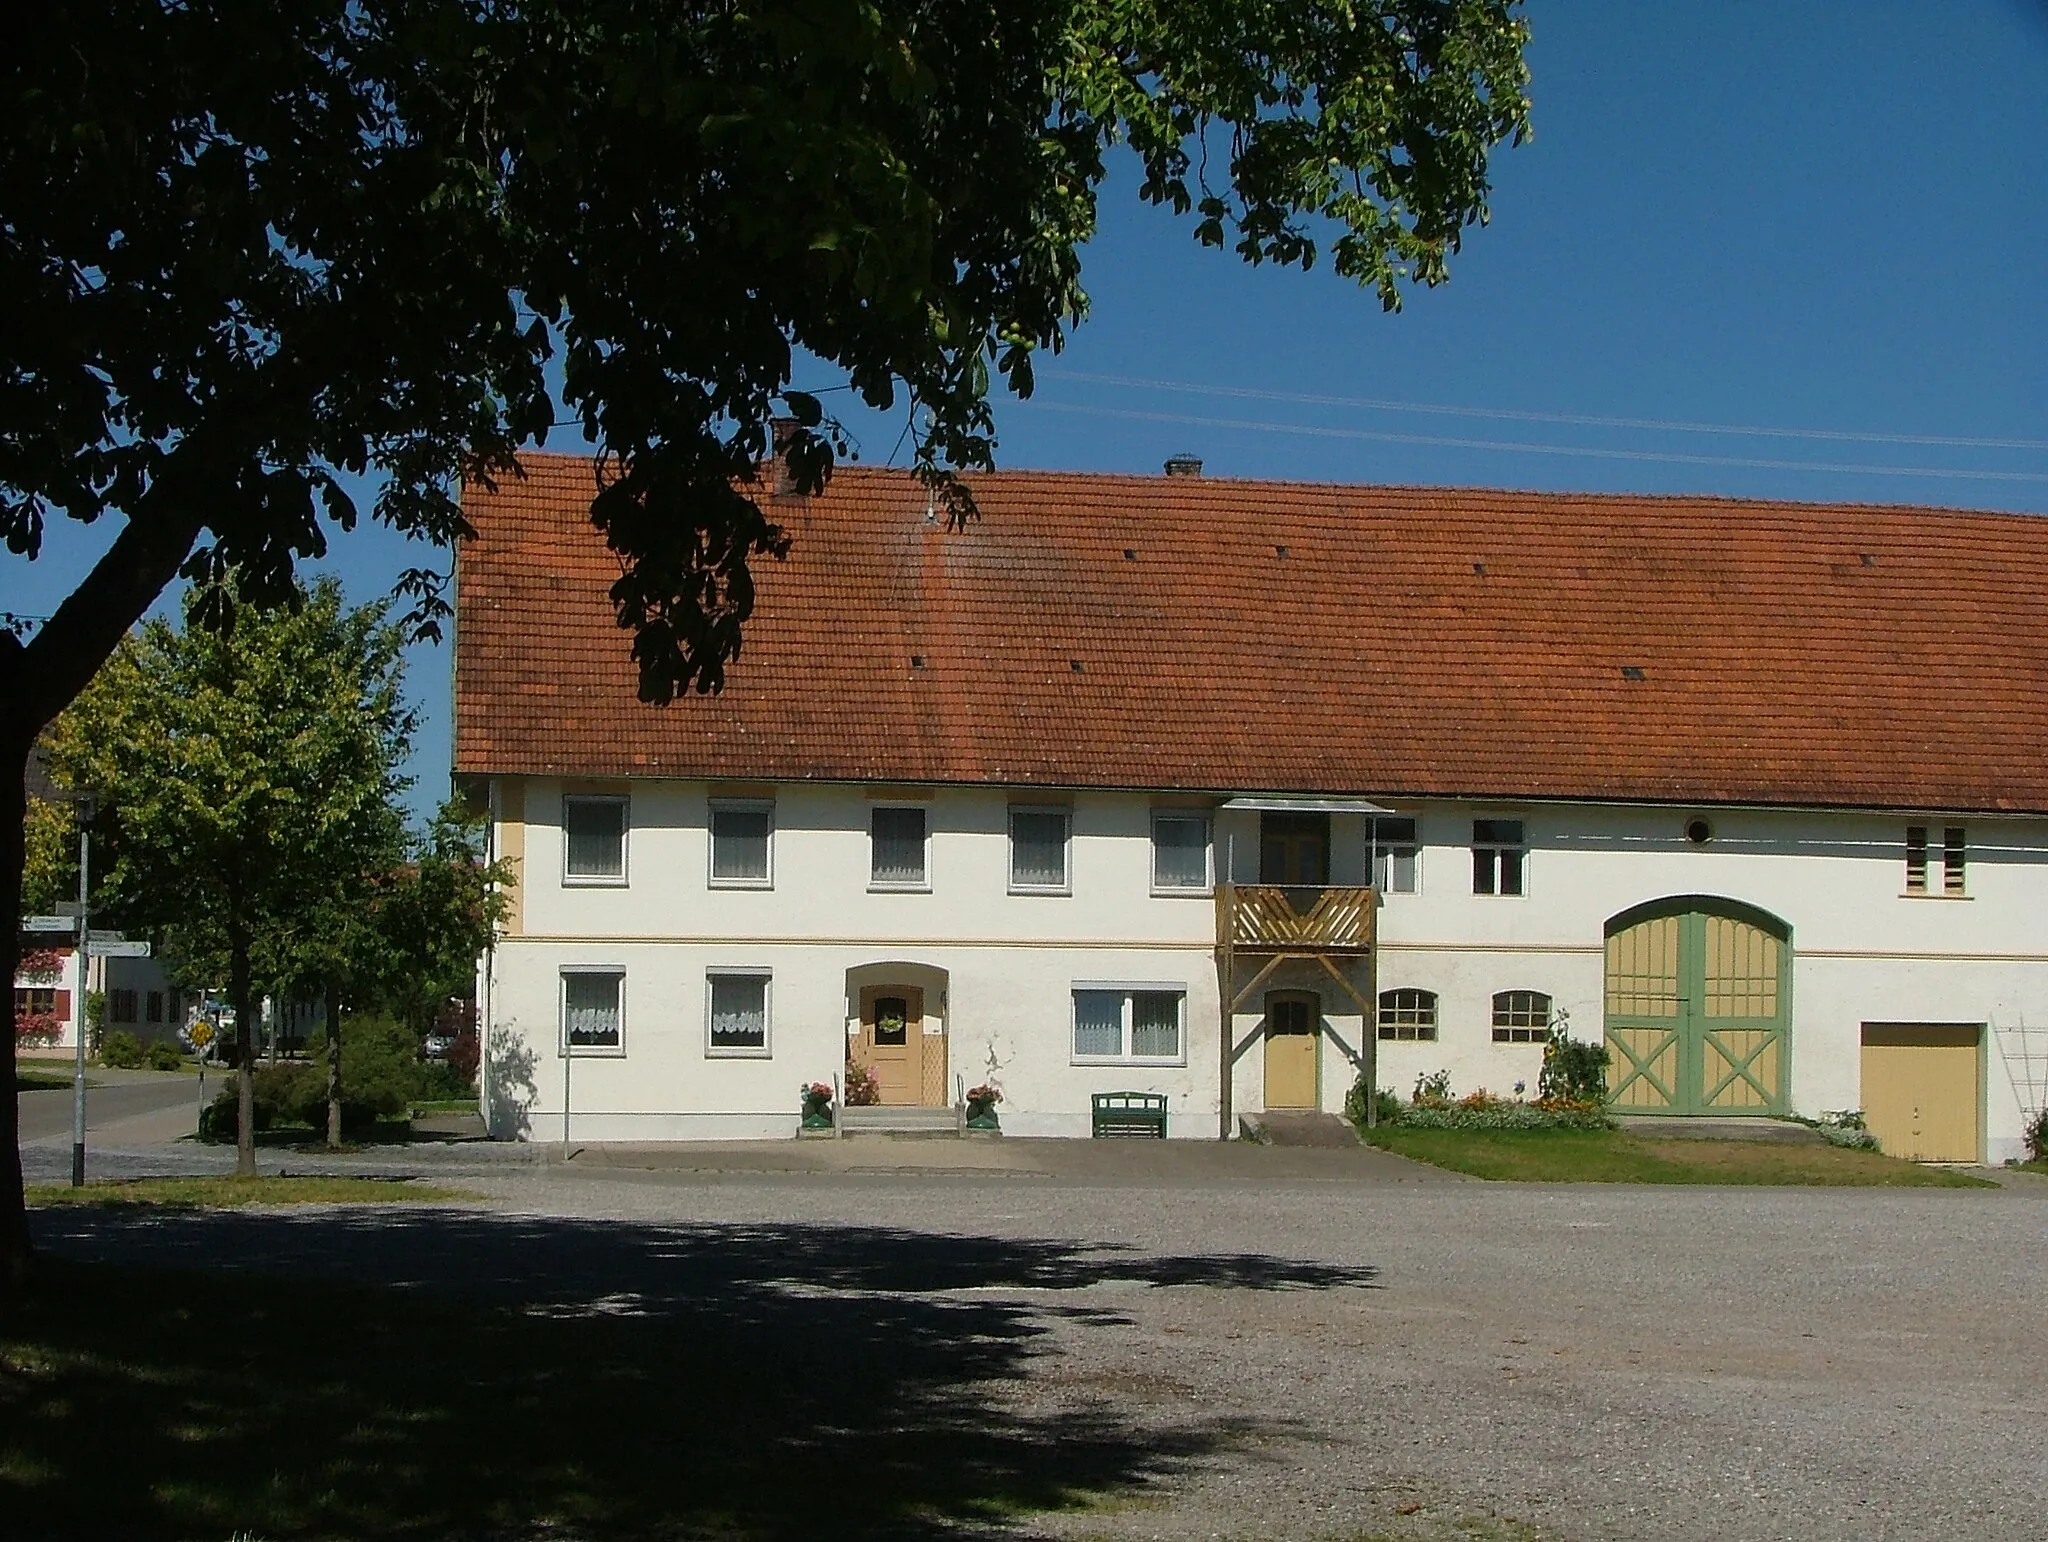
point(1129, 1115)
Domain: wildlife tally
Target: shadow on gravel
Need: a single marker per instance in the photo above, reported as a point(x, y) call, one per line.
point(433, 1374)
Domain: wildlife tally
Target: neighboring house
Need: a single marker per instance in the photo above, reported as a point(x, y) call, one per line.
point(137, 998)
point(1232, 790)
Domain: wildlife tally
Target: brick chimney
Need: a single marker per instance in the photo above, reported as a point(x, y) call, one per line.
point(780, 431)
point(1183, 465)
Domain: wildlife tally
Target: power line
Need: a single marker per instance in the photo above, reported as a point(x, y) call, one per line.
point(1512, 446)
point(1509, 414)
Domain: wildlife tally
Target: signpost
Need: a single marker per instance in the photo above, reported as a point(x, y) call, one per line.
point(85, 812)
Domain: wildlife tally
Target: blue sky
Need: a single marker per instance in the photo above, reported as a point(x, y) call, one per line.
point(1818, 217)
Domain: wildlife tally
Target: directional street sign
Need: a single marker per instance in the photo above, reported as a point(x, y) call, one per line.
point(49, 923)
point(115, 947)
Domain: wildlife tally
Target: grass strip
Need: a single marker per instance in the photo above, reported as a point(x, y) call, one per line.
point(218, 1193)
point(1610, 1156)
point(36, 1081)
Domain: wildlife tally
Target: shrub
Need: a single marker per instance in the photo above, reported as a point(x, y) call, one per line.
point(862, 1090)
point(36, 1030)
point(1574, 1071)
point(434, 1080)
point(1387, 1103)
point(1502, 1114)
point(464, 1056)
point(121, 1050)
point(2036, 1136)
point(280, 1095)
point(163, 1055)
point(1432, 1091)
point(380, 1072)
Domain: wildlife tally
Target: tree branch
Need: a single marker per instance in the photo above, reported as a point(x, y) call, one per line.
point(61, 659)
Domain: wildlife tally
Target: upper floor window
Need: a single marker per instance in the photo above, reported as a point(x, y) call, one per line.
point(897, 856)
point(738, 1012)
point(1394, 852)
point(1038, 851)
point(1954, 856)
point(742, 841)
point(1180, 850)
point(594, 844)
point(1498, 856)
point(1408, 1014)
point(593, 1011)
point(1521, 1017)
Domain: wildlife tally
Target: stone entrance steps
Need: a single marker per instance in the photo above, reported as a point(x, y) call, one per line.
point(899, 1121)
point(1299, 1129)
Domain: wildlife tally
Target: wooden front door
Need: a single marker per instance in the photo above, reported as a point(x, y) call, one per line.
point(1696, 1013)
point(1294, 849)
point(1920, 1090)
point(909, 1064)
point(1291, 1040)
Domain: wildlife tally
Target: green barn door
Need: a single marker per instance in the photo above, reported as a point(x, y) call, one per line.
point(1696, 1010)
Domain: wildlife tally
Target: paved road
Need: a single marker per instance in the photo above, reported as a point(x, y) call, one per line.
point(139, 1107)
point(1256, 1344)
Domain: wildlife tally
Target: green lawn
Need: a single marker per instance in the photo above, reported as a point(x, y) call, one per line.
point(1609, 1156)
point(445, 1106)
point(42, 1081)
point(213, 1193)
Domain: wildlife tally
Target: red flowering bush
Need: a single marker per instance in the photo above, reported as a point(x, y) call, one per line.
point(862, 1090)
point(36, 1030)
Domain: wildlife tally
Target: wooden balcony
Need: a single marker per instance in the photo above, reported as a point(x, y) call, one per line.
point(1266, 918)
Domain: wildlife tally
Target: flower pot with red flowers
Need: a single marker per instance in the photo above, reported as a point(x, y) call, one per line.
point(817, 1106)
point(981, 1107)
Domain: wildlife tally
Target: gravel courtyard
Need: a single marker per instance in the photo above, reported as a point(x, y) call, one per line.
point(1263, 1344)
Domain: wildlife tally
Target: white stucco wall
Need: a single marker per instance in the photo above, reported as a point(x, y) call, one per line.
point(1863, 952)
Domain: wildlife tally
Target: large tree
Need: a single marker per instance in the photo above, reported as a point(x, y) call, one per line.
point(247, 246)
point(252, 772)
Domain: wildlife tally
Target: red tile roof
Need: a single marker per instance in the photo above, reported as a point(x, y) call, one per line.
point(1200, 633)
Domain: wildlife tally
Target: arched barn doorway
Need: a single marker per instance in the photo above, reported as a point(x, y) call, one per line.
point(1698, 1005)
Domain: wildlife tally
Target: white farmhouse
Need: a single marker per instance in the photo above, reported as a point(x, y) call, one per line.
point(1235, 791)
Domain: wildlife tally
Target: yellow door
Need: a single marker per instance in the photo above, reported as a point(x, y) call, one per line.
point(1920, 1086)
point(892, 1042)
point(1291, 1051)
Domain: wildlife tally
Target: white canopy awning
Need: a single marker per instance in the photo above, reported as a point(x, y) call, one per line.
point(1306, 805)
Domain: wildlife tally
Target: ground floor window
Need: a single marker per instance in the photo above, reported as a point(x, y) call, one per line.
point(593, 1011)
point(738, 1012)
point(1520, 1017)
point(35, 1001)
point(1408, 1014)
point(1130, 1023)
point(120, 1006)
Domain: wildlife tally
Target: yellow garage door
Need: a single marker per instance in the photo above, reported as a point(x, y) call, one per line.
point(1920, 1086)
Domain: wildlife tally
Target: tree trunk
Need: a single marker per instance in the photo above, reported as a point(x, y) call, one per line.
point(245, 1060)
point(38, 680)
point(333, 1066)
point(15, 1247)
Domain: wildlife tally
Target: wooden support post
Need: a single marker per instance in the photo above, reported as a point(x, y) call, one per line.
point(1226, 997)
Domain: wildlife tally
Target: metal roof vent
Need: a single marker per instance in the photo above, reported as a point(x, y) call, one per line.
point(1183, 465)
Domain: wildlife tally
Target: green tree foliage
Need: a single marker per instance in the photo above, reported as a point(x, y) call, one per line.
point(433, 916)
point(252, 247)
point(49, 868)
point(252, 774)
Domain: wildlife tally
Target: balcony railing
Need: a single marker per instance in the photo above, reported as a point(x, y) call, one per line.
point(1269, 918)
